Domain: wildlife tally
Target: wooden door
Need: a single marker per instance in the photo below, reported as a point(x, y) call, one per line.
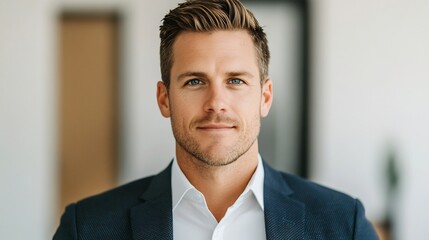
point(88, 90)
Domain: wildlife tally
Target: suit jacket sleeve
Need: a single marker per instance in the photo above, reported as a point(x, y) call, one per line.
point(67, 229)
point(363, 229)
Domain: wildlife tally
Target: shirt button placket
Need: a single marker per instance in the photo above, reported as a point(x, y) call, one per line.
point(216, 235)
point(218, 232)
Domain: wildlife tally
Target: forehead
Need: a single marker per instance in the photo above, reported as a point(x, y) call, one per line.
point(233, 50)
point(226, 38)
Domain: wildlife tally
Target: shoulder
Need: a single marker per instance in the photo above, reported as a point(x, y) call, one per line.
point(328, 212)
point(314, 193)
point(103, 215)
point(107, 215)
point(112, 204)
point(120, 197)
point(304, 190)
point(321, 201)
point(130, 194)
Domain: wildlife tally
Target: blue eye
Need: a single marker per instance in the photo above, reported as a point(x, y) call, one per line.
point(194, 82)
point(236, 81)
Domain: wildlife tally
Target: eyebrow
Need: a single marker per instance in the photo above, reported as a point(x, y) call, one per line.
point(204, 75)
point(238, 74)
point(192, 74)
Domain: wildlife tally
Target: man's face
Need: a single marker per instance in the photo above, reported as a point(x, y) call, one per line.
point(215, 99)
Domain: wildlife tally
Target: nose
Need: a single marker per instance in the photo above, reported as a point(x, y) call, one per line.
point(215, 99)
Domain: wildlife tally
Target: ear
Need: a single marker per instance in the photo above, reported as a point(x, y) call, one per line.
point(162, 98)
point(267, 97)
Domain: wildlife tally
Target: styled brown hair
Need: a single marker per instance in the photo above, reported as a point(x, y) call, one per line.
point(208, 16)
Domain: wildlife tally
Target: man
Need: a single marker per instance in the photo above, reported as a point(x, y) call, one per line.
point(215, 89)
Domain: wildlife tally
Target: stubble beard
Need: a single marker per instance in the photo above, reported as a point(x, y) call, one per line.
point(209, 157)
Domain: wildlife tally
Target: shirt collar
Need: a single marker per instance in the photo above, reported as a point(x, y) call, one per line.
point(180, 185)
point(256, 183)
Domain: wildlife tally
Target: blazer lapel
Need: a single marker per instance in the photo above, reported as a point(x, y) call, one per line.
point(284, 216)
point(153, 219)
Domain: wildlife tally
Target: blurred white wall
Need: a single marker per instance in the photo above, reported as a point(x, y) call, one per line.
point(371, 86)
point(27, 117)
point(370, 82)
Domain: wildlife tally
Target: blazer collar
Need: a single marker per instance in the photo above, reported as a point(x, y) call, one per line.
point(153, 218)
point(284, 216)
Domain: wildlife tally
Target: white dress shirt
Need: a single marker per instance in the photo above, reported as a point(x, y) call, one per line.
point(192, 218)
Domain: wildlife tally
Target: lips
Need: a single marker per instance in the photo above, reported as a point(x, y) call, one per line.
point(215, 122)
point(215, 126)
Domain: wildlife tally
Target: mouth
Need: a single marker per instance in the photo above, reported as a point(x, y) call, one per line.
point(215, 127)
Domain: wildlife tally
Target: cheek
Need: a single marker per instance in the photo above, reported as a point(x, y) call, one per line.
point(188, 102)
point(249, 111)
point(182, 112)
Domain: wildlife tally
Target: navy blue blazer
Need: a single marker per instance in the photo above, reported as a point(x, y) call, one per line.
point(294, 209)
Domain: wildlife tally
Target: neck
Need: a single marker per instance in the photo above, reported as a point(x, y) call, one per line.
point(220, 185)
